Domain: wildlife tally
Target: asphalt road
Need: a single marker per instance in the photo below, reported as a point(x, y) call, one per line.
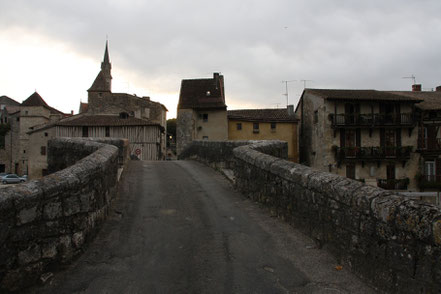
point(179, 227)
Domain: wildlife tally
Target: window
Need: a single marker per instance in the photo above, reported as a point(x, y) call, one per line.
point(205, 117)
point(239, 126)
point(24, 151)
point(107, 131)
point(255, 127)
point(429, 170)
point(85, 132)
point(205, 138)
point(46, 134)
point(18, 119)
point(123, 115)
point(273, 127)
point(43, 150)
point(316, 116)
point(26, 112)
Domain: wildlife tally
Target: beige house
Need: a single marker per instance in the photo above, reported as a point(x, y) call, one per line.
point(32, 112)
point(366, 135)
point(265, 124)
point(202, 112)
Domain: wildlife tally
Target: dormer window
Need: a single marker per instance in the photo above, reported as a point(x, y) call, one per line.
point(123, 115)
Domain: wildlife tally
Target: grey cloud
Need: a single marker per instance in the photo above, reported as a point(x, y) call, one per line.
point(256, 44)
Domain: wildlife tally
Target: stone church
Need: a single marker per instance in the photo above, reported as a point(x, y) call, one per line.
point(108, 114)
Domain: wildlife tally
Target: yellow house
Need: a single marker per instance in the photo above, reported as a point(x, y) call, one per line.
point(265, 124)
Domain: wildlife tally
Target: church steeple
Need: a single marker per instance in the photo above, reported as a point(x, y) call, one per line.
point(103, 81)
point(105, 65)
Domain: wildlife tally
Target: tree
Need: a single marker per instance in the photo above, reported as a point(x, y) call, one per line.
point(171, 127)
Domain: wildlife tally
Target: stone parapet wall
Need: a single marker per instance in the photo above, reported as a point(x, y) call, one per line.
point(219, 154)
point(47, 222)
point(389, 241)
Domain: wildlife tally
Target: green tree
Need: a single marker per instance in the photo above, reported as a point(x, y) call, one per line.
point(171, 127)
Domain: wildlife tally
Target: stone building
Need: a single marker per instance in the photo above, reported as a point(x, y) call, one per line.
point(366, 135)
point(107, 114)
point(202, 112)
point(265, 124)
point(8, 107)
point(101, 101)
point(428, 147)
point(32, 112)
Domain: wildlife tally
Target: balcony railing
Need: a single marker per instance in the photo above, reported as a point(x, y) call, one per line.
point(429, 181)
point(393, 184)
point(371, 120)
point(428, 144)
point(373, 153)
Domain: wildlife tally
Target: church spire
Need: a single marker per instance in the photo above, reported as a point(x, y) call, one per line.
point(103, 82)
point(105, 65)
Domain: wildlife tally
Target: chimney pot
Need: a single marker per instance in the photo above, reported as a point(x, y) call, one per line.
point(416, 88)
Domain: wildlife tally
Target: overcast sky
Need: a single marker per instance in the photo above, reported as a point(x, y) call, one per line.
point(56, 47)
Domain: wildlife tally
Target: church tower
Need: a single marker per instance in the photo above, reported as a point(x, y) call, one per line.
point(103, 81)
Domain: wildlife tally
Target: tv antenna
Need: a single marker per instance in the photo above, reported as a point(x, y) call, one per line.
point(411, 77)
point(304, 82)
point(286, 89)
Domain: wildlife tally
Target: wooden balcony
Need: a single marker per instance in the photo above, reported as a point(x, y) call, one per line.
point(429, 182)
point(429, 145)
point(393, 184)
point(372, 153)
point(372, 120)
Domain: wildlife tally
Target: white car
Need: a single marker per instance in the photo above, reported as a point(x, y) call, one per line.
point(12, 179)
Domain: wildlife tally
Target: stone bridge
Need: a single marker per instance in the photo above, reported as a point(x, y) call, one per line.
point(180, 227)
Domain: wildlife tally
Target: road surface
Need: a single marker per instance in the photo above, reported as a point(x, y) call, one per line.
point(179, 227)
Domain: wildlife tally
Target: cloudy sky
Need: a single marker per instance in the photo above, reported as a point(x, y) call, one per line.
point(56, 46)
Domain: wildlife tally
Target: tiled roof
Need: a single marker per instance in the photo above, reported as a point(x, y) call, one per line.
point(36, 100)
point(5, 100)
point(103, 120)
point(432, 100)
point(83, 107)
point(12, 109)
point(332, 94)
point(263, 115)
point(202, 93)
point(100, 84)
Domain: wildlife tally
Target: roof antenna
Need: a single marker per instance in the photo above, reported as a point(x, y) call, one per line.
point(304, 82)
point(286, 89)
point(411, 77)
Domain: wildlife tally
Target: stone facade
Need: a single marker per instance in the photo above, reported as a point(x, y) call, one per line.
point(39, 139)
point(22, 119)
point(48, 222)
point(101, 101)
point(202, 112)
point(328, 136)
point(389, 241)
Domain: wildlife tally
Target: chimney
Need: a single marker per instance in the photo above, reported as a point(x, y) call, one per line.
point(416, 88)
point(290, 110)
point(438, 89)
point(216, 79)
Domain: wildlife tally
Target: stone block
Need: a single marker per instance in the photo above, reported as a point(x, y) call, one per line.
point(52, 210)
point(78, 239)
point(30, 255)
point(71, 206)
point(49, 249)
point(27, 215)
